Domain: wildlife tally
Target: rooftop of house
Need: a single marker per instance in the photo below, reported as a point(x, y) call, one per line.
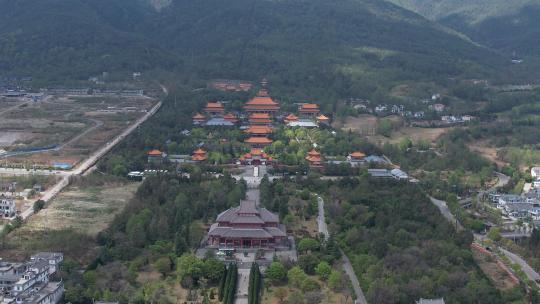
point(357, 154)
point(214, 105)
point(291, 117)
point(219, 121)
point(322, 117)
point(311, 107)
point(259, 130)
point(198, 116)
point(259, 116)
point(262, 99)
point(302, 124)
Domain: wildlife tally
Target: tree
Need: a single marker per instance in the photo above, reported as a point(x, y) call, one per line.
point(213, 269)
point(314, 297)
point(335, 280)
point(276, 272)
point(296, 276)
point(188, 265)
point(38, 205)
point(308, 262)
point(163, 265)
point(323, 270)
point(494, 234)
point(308, 244)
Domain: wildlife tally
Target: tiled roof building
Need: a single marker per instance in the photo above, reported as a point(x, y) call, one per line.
point(261, 103)
point(314, 158)
point(247, 226)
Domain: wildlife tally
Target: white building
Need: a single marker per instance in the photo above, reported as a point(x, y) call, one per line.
point(7, 207)
point(535, 172)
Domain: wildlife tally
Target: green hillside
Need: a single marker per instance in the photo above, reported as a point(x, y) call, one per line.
point(509, 26)
point(347, 47)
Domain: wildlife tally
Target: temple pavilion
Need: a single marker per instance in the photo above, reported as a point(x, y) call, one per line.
point(314, 158)
point(199, 155)
point(261, 103)
point(308, 110)
point(247, 226)
point(260, 119)
point(214, 108)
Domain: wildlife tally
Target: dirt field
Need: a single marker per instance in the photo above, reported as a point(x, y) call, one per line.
point(71, 222)
point(498, 276)
point(75, 126)
point(483, 148)
point(367, 125)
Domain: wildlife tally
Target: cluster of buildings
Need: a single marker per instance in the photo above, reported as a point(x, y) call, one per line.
point(451, 119)
point(526, 205)
point(396, 174)
point(94, 92)
point(32, 282)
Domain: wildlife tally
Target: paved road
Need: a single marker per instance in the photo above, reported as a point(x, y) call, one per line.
point(531, 274)
point(321, 222)
point(443, 208)
point(242, 286)
point(347, 266)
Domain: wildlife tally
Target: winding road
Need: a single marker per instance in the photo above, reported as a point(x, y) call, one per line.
point(347, 266)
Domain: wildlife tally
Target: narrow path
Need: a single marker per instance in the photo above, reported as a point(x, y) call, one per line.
point(242, 286)
point(443, 208)
point(97, 124)
point(347, 266)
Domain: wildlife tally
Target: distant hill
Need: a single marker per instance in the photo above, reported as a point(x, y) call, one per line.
point(350, 46)
point(509, 26)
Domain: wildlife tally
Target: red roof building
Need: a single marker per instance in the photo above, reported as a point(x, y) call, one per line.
point(322, 119)
point(214, 108)
point(314, 158)
point(258, 142)
point(155, 156)
point(261, 103)
point(231, 117)
point(260, 119)
point(290, 118)
point(247, 226)
point(198, 119)
point(308, 110)
point(255, 157)
point(257, 130)
point(199, 155)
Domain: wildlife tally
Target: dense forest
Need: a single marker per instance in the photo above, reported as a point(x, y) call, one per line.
point(400, 246)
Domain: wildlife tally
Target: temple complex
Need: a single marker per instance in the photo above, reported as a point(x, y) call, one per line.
point(247, 226)
point(255, 157)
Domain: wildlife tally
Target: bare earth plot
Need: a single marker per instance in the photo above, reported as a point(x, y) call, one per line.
point(367, 125)
point(75, 126)
point(493, 271)
point(483, 148)
point(71, 221)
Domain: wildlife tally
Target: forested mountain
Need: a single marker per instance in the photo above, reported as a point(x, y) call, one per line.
point(510, 26)
point(348, 46)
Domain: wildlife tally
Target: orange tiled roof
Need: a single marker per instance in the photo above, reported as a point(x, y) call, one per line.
point(309, 106)
point(357, 154)
point(217, 106)
point(198, 157)
point(258, 140)
point(259, 116)
point(313, 152)
point(259, 130)
point(198, 116)
point(199, 151)
point(322, 117)
point(262, 99)
point(291, 117)
point(154, 152)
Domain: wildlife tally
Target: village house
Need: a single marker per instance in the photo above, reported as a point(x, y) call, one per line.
point(535, 172)
point(258, 130)
point(314, 158)
point(7, 207)
point(438, 107)
point(30, 282)
point(262, 103)
point(247, 226)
